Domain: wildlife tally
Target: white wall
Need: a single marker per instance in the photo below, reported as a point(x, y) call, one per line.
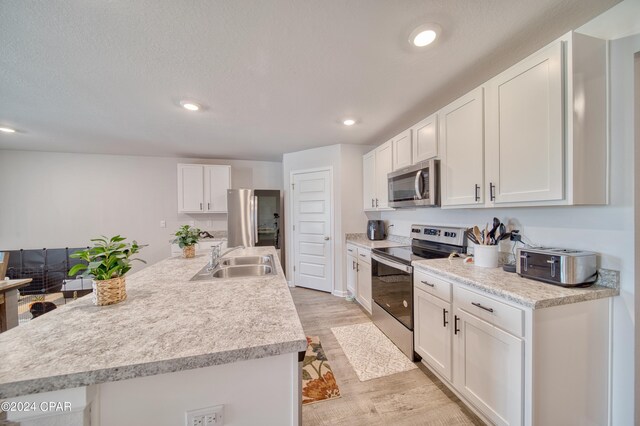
point(63, 200)
point(608, 230)
point(346, 162)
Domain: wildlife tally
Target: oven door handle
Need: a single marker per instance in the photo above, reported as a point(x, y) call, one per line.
point(391, 263)
point(418, 184)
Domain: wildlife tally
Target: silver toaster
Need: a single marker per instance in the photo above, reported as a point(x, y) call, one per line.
point(557, 266)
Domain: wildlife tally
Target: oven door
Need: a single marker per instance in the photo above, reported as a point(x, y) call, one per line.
point(414, 186)
point(392, 288)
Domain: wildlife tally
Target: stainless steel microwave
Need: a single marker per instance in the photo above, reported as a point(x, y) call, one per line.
point(415, 186)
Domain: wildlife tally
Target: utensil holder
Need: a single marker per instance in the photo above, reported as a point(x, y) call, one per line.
point(485, 256)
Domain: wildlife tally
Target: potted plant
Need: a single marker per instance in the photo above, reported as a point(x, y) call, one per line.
point(186, 238)
point(107, 262)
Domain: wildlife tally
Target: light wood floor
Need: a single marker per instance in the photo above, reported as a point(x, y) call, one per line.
point(414, 397)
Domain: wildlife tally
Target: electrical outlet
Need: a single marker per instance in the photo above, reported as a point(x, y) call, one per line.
point(209, 416)
point(192, 223)
point(163, 224)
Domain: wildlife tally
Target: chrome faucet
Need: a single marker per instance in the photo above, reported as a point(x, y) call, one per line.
point(215, 255)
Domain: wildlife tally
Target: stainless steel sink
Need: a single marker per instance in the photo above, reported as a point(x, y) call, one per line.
point(236, 267)
point(243, 271)
point(247, 260)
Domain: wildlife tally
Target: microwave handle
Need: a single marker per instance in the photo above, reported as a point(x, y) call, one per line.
point(418, 185)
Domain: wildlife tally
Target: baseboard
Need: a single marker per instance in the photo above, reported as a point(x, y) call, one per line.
point(339, 293)
point(290, 284)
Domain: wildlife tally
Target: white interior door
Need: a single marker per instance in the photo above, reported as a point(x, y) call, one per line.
point(313, 246)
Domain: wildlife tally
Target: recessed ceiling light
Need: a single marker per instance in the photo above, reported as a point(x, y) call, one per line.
point(349, 122)
point(424, 35)
point(191, 106)
point(7, 130)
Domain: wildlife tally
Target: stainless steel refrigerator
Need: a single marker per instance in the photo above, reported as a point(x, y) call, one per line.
point(255, 218)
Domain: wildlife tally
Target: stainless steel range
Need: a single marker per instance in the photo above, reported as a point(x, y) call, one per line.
point(392, 279)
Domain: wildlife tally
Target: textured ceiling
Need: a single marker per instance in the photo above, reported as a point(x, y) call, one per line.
point(276, 75)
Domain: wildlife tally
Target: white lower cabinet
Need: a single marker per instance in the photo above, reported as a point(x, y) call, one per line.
point(510, 364)
point(359, 275)
point(363, 292)
point(432, 331)
point(352, 273)
point(488, 368)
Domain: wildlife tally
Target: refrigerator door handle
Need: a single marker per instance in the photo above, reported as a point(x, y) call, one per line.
point(255, 220)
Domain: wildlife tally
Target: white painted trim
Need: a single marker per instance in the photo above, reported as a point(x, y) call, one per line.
point(332, 215)
point(610, 367)
point(291, 284)
point(339, 293)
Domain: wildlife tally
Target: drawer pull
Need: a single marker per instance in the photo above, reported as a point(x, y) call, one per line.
point(428, 283)
point(444, 317)
point(478, 305)
point(363, 255)
point(455, 324)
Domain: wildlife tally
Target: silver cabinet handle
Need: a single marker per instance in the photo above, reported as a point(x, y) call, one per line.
point(208, 206)
point(376, 202)
point(372, 203)
point(478, 305)
point(326, 238)
point(200, 206)
point(477, 193)
point(428, 283)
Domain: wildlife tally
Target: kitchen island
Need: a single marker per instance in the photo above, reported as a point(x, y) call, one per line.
point(174, 345)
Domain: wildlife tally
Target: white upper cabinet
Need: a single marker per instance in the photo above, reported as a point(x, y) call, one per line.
point(384, 166)
point(525, 132)
point(461, 134)
point(217, 183)
point(203, 188)
point(376, 165)
point(425, 139)
point(402, 150)
point(190, 188)
point(369, 180)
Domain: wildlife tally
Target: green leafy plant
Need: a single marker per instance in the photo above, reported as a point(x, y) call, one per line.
point(186, 236)
point(108, 258)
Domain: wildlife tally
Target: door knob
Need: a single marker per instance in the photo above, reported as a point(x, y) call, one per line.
point(326, 238)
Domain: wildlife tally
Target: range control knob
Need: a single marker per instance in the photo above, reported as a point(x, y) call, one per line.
point(447, 234)
point(453, 235)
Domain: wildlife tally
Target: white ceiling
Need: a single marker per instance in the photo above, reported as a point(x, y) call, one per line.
point(277, 76)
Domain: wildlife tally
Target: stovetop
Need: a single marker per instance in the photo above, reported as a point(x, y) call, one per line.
point(407, 254)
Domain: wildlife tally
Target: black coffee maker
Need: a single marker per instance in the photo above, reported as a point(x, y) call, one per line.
point(375, 230)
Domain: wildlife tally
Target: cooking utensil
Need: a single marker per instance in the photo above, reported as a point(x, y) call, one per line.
point(471, 236)
point(476, 233)
point(492, 233)
point(485, 235)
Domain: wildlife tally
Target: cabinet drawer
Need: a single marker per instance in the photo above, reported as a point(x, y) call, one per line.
point(432, 285)
point(364, 255)
point(497, 313)
point(352, 250)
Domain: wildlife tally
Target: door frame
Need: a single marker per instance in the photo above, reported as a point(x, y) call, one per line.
point(289, 228)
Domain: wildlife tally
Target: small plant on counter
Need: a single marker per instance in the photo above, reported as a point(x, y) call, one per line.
point(187, 237)
point(107, 262)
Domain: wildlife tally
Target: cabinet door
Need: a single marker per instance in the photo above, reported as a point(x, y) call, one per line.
point(461, 133)
point(432, 334)
point(384, 166)
point(425, 139)
point(217, 182)
point(402, 150)
point(190, 188)
point(369, 180)
point(489, 368)
point(352, 274)
point(363, 289)
point(524, 156)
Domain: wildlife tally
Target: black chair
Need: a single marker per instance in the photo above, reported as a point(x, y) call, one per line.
point(48, 268)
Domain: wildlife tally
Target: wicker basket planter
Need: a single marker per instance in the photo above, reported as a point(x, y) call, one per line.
point(109, 292)
point(189, 251)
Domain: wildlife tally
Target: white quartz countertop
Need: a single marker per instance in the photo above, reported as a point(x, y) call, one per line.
point(510, 286)
point(368, 244)
point(168, 323)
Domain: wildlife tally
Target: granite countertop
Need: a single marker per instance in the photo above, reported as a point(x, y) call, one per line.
point(361, 240)
point(167, 324)
point(510, 286)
